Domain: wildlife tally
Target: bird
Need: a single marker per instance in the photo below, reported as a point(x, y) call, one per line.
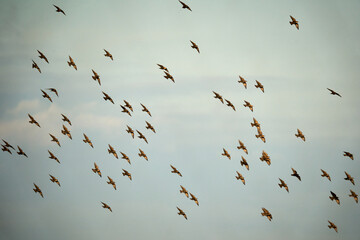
point(265, 157)
point(260, 135)
point(299, 134)
point(325, 174)
point(145, 109)
point(243, 81)
point(111, 182)
point(184, 191)
point(127, 104)
point(126, 173)
point(125, 110)
point(266, 213)
point(259, 85)
point(174, 170)
point(54, 91)
point(349, 178)
point(104, 205)
point(5, 149)
point(255, 124)
point(21, 152)
point(283, 184)
point(141, 136)
point(354, 195)
point(142, 154)
point(247, 104)
point(54, 139)
point(226, 154)
point(334, 197)
point(112, 151)
point(72, 63)
point(38, 190)
point(65, 119)
point(242, 146)
point(130, 130)
point(87, 140)
point(124, 156)
point(96, 77)
point(54, 180)
point(295, 174)
point(33, 121)
point(52, 156)
point(347, 154)
point(181, 212)
point(243, 162)
point(332, 92)
point(107, 54)
point(149, 126)
point(218, 96)
point(107, 97)
point(96, 169)
point(193, 45)
point(66, 132)
point(45, 95)
point(59, 10)
point(294, 22)
point(332, 225)
point(240, 177)
point(228, 103)
point(34, 65)
point(193, 198)
point(169, 76)
point(163, 67)
point(41, 55)
point(7, 144)
point(185, 6)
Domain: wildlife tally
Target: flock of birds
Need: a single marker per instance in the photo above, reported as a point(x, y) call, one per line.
point(128, 109)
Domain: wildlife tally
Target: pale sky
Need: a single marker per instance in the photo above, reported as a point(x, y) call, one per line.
point(249, 38)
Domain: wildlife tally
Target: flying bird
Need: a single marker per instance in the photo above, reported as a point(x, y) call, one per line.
point(126, 173)
point(332, 92)
point(125, 110)
point(334, 197)
point(5, 149)
point(59, 10)
point(332, 225)
point(259, 85)
point(255, 124)
point(265, 157)
point(72, 63)
point(181, 212)
point(294, 22)
point(354, 195)
point(242, 146)
point(107, 54)
point(107, 97)
point(145, 109)
point(240, 177)
point(87, 140)
point(130, 130)
point(54, 91)
point(347, 154)
point(266, 213)
point(111, 182)
point(195, 46)
point(295, 174)
point(42, 56)
point(66, 132)
point(96, 169)
point(283, 184)
point(124, 156)
point(45, 95)
point(325, 174)
point(149, 126)
point(33, 121)
point(260, 135)
point(193, 198)
point(141, 136)
point(185, 6)
point(142, 154)
point(54, 180)
point(174, 170)
point(38, 190)
point(127, 104)
point(96, 77)
point(243, 162)
point(52, 156)
point(112, 151)
point(104, 205)
point(7, 144)
point(65, 119)
point(34, 65)
point(169, 76)
point(226, 154)
point(247, 104)
point(228, 103)
point(243, 81)
point(54, 139)
point(218, 96)
point(163, 67)
point(184, 191)
point(21, 152)
point(349, 178)
point(299, 134)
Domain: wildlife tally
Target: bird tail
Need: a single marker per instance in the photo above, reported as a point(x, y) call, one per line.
point(93, 77)
point(69, 63)
point(280, 185)
point(331, 198)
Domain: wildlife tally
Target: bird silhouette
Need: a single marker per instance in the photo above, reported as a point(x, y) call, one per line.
point(52, 156)
point(72, 63)
point(332, 225)
point(266, 213)
point(243, 81)
point(87, 140)
point(228, 103)
point(259, 85)
point(34, 65)
point(247, 104)
point(255, 124)
point(299, 134)
point(282, 184)
point(243, 162)
point(195, 46)
point(66, 132)
point(295, 174)
point(54, 91)
point(21, 152)
point(185, 6)
point(242, 146)
point(65, 119)
point(169, 76)
point(193, 198)
point(145, 109)
point(347, 154)
point(294, 22)
point(107, 54)
point(334, 197)
point(107, 97)
point(184, 191)
point(38, 190)
point(96, 77)
point(163, 67)
point(142, 154)
point(125, 110)
point(265, 157)
point(104, 205)
point(130, 131)
point(149, 126)
point(112, 151)
point(332, 92)
point(354, 195)
point(325, 174)
point(181, 212)
point(54, 139)
point(33, 121)
point(240, 177)
point(141, 136)
point(45, 95)
point(59, 10)
point(111, 182)
point(127, 104)
point(5, 149)
point(349, 178)
point(54, 180)
point(126, 173)
point(174, 170)
point(226, 154)
point(260, 135)
point(7, 144)
point(96, 169)
point(218, 96)
point(125, 157)
point(42, 56)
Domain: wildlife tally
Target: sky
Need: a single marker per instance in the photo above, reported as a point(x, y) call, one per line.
point(252, 39)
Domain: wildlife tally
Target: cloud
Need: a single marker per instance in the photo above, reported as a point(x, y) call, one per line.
point(25, 106)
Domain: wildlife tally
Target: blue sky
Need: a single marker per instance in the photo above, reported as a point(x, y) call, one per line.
point(249, 38)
